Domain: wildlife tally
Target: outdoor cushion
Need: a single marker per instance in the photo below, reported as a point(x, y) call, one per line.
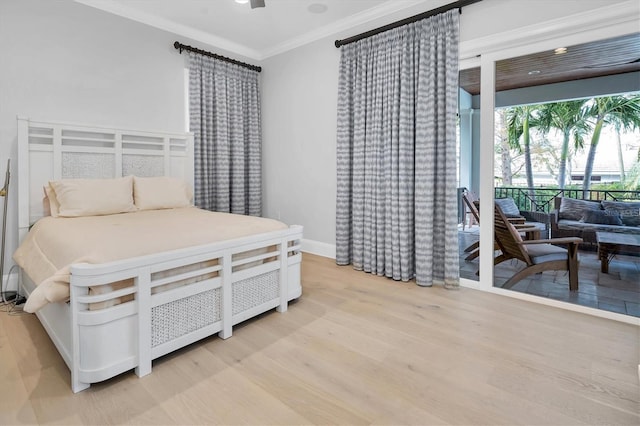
point(602, 217)
point(508, 206)
point(541, 226)
point(629, 212)
point(573, 209)
point(575, 225)
point(540, 253)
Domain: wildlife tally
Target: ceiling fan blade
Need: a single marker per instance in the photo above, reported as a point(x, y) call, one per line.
point(257, 3)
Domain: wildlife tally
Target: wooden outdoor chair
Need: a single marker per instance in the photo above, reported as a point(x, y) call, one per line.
point(538, 255)
point(473, 204)
point(469, 199)
point(470, 211)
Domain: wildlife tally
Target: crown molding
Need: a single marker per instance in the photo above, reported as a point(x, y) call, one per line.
point(341, 25)
point(172, 27)
point(128, 12)
point(621, 18)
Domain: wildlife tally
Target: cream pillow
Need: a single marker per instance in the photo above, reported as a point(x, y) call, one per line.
point(93, 197)
point(162, 192)
point(50, 205)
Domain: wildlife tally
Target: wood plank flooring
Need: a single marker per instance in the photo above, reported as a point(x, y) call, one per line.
point(355, 349)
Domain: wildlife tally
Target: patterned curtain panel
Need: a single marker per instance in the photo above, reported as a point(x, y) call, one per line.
point(224, 109)
point(396, 153)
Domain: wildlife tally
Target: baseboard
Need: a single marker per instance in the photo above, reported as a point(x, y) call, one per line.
point(319, 248)
point(468, 283)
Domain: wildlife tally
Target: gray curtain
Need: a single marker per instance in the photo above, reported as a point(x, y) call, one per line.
point(396, 153)
point(224, 110)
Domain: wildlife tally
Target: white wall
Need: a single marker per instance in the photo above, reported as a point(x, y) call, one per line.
point(69, 62)
point(300, 107)
point(299, 144)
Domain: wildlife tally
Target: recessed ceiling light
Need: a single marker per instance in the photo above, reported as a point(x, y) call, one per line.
point(242, 1)
point(317, 8)
point(533, 72)
point(560, 50)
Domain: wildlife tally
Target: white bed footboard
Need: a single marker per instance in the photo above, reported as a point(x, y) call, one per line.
point(102, 341)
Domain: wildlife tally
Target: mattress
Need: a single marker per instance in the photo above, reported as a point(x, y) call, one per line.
point(54, 244)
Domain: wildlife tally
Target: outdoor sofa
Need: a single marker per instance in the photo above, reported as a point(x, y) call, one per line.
point(583, 218)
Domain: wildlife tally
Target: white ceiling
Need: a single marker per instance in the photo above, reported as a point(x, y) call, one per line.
point(255, 33)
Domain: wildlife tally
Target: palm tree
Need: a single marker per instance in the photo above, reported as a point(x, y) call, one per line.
point(620, 153)
point(623, 111)
point(569, 118)
point(520, 120)
point(633, 181)
point(503, 148)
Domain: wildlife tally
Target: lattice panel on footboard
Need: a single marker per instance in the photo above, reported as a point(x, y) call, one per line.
point(254, 291)
point(177, 318)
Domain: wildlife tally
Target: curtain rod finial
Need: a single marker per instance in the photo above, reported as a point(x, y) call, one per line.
point(337, 43)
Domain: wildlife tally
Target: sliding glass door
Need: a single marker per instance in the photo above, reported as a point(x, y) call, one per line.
point(468, 172)
point(529, 162)
point(565, 165)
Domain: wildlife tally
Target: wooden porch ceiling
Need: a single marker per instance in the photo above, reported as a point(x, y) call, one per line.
point(600, 58)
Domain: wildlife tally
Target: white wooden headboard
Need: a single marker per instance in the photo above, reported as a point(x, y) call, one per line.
point(51, 151)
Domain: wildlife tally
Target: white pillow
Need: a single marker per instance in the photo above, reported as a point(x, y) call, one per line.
point(162, 192)
point(93, 197)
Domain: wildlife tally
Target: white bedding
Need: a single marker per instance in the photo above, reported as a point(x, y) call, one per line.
point(53, 244)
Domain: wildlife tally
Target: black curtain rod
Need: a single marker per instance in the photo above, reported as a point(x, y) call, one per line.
point(455, 5)
point(179, 46)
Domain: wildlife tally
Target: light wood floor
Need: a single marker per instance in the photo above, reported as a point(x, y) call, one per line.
point(355, 349)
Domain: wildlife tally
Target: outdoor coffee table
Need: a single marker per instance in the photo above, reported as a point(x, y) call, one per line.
point(611, 243)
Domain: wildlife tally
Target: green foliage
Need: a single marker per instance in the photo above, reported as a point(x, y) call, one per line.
point(622, 112)
point(577, 121)
point(632, 181)
point(569, 119)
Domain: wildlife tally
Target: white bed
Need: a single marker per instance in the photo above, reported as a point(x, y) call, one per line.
point(250, 275)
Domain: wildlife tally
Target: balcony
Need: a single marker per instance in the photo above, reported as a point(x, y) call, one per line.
point(618, 290)
point(540, 199)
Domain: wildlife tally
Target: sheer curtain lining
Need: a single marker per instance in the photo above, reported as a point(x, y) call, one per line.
point(224, 115)
point(396, 153)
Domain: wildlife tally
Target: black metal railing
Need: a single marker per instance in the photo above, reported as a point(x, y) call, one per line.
point(541, 199)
